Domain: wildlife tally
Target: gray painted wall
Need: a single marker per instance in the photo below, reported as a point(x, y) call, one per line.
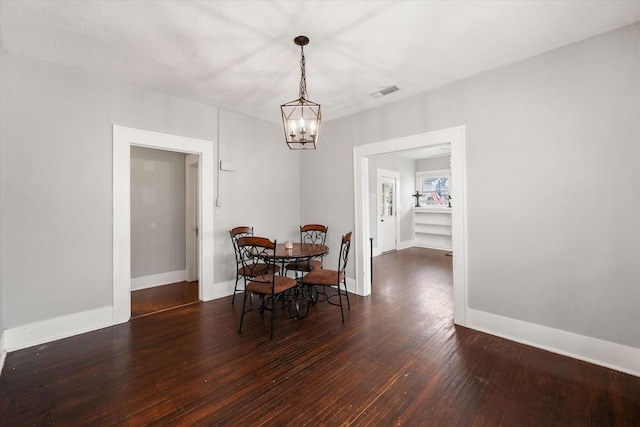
point(158, 212)
point(262, 192)
point(56, 192)
point(326, 187)
point(56, 181)
point(557, 243)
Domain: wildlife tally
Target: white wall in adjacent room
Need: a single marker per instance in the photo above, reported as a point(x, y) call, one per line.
point(157, 212)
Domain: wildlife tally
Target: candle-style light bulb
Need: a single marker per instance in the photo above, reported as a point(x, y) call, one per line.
point(313, 127)
point(301, 125)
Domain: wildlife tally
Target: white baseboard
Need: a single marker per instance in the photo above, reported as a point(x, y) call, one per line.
point(78, 323)
point(604, 353)
point(405, 245)
point(3, 351)
point(154, 280)
point(351, 286)
point(57, 328)
point(222, 289)
point(439, 248)
point(401, 245)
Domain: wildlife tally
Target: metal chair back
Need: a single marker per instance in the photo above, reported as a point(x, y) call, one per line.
point(313, 233)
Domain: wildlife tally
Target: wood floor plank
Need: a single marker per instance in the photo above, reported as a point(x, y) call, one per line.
point(397, 360)
point(165, 297)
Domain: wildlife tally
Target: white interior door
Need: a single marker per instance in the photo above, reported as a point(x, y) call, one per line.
point(192, 221)
point(387, 210)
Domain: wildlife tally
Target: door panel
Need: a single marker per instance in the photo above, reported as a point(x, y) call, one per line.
point(387, 214)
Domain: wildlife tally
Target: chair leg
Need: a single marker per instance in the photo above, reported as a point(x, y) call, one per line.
point(340, 299)
point(347, 294)
point(273, 314)
point(244, 304)
point(313, 294)
point(235, 289)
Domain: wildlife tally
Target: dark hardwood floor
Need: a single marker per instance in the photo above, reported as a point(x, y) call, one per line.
point(160, 298)
point(397, 360)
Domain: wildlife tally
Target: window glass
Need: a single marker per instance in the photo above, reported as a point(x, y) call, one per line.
point(387, 199)
point(433, 187)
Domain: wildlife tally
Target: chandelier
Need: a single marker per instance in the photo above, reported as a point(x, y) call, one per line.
point(301, 118)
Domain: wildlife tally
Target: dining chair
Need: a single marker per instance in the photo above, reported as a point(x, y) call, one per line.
point(241, 271)
point(313, 234)
point(322, 277)
point(271, 287)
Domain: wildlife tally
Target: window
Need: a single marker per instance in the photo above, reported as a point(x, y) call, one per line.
point(433, 187)
point(387, 199)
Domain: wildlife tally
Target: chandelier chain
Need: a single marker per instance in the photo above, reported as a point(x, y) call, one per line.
point(301, 118)
point(303, 77)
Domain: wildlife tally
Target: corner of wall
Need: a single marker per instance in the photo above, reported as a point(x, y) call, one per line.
point(3, 352)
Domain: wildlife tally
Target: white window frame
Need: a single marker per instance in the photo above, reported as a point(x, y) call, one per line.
point(436, 173)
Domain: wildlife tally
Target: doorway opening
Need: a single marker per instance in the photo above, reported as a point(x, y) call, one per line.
point(192, 221)
point(123, 139)
point(456, 138)
point(164, 226)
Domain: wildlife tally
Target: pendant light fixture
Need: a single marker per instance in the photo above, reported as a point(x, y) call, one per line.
point(301, 118)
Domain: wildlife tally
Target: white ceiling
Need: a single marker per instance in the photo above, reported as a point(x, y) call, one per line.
point(240, 55)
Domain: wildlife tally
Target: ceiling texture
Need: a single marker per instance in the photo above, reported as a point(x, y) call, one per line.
point(240, 55)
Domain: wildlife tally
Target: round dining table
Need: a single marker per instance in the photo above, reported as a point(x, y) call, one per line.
point(299, 252)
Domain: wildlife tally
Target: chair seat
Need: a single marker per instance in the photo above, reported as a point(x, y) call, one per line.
point(306, 265)
point(256, 270)
point(323, 277)
point(281, 284)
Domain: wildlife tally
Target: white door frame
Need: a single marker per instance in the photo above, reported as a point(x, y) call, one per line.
point(396, 190)
point(455, 136)
point(123, 139)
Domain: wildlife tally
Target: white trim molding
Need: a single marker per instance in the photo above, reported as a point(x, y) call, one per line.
point(405, 244)
point(57, 328)
point(123, 139)
point(3, 351)
point(454, 136)
point(604, 353)
point(153, 280)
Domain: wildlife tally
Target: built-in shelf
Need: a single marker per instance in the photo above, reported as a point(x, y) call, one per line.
point(432, 228)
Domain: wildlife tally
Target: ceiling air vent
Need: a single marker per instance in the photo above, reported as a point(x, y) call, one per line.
point(386, 91)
